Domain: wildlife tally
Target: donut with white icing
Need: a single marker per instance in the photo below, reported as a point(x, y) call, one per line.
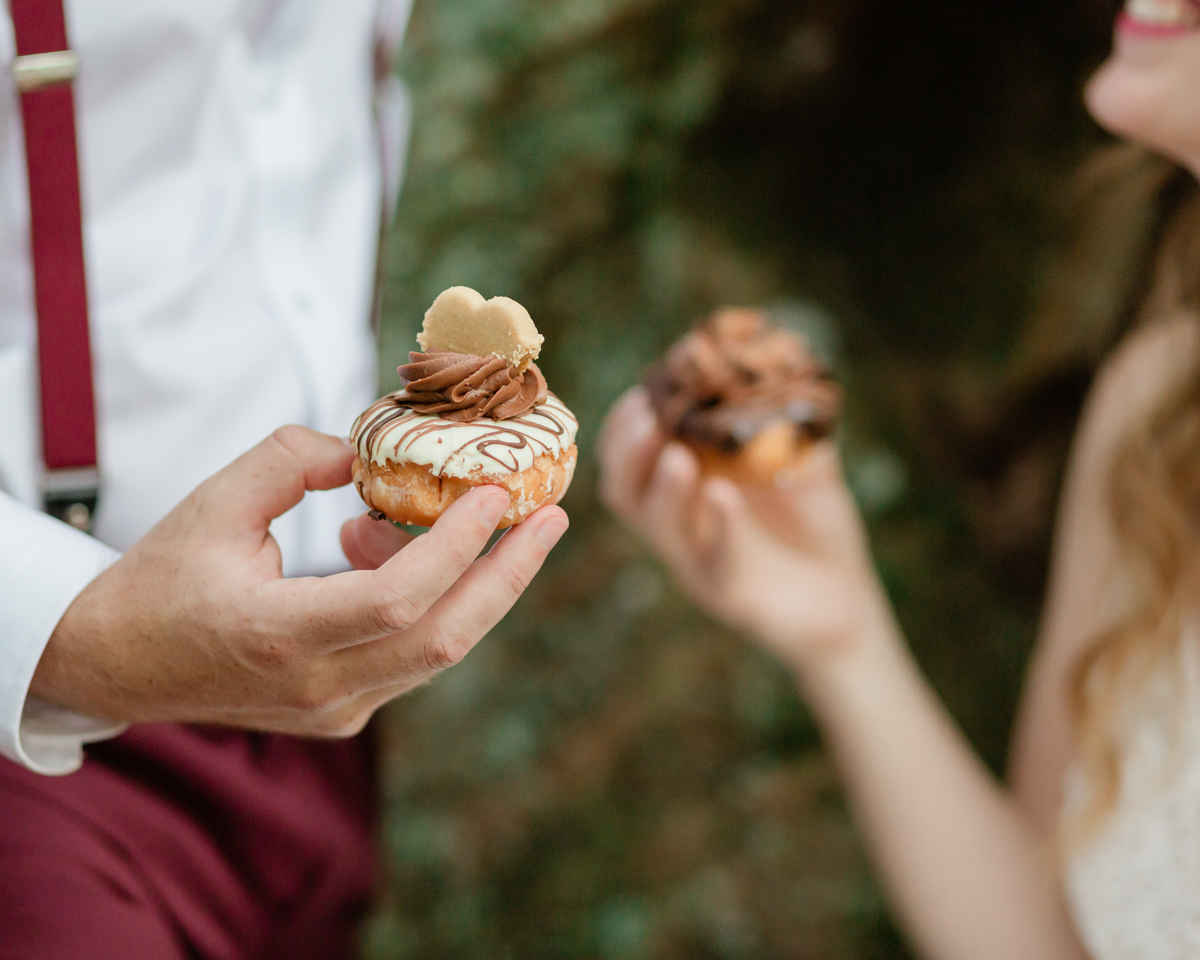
point(411, 466)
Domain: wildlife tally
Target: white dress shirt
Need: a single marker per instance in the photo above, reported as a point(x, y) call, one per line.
point(231, 179)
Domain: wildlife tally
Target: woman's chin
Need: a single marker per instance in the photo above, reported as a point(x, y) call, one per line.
point(1116, 100)
point(1131, 104)
point(1147, 92)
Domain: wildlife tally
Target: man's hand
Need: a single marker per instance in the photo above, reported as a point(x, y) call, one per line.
point(196, 622)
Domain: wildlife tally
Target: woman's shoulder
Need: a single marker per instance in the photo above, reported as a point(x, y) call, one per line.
point(1151, 362)
point(1131, 385)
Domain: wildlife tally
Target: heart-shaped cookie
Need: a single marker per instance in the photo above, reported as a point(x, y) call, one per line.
point(461, 321)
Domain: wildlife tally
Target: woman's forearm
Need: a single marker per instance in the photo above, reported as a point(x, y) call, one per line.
point(971, 880)
point(969, 877)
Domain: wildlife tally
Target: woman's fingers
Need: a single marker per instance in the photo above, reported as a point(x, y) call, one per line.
point(463, 615)
point(760, 584)
point(722, 513)
point(815, 512)
point(628, 449)
point(667, 510)
point(369, 544)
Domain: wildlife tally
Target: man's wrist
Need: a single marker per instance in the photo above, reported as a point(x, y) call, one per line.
point(64, 678)
point(49, 567)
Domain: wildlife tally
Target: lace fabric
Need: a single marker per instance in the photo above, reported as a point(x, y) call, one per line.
point(1134, 887)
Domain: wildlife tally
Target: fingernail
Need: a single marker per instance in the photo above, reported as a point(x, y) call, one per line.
point(721, 495)
point(676, 460)
point(494, 507)
point(551, 531)
point(642, 426)
point(638, 397)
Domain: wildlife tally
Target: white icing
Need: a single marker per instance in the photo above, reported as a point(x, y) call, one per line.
point(388, 433)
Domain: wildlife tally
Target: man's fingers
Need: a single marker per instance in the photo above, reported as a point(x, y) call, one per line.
point(369, 544)
point(415, 578)
point(371, 674)
point(355, 607)
point(272, 477)
point(628, 448)
point(464, 614)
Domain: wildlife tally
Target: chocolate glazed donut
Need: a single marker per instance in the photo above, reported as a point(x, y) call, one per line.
point(747, 397)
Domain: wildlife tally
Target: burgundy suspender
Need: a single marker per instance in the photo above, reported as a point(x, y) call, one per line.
point(44, 69)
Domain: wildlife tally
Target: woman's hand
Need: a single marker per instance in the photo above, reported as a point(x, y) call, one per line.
point(196, 622)
point(968, 877)
point(790, 567)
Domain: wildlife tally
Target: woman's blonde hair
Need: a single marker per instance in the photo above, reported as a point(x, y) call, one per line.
point(1138, 261)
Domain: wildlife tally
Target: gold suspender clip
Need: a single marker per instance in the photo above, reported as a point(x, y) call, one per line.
point(37, 70)
point(70, 495)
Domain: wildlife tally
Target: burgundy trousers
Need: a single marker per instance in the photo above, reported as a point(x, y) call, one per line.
point(177, 842)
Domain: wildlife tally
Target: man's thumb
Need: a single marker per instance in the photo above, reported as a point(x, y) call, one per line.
point(272, 477)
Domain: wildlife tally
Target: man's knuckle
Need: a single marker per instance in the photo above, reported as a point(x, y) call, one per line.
point(286, 444)
point(315, 696)
point(461, 554)
point(444, 649)
point(515, 578)
point(274, 652)
point(350, 725)
point(341, 725)
point(326, 724)
point(288, 436)
point(396, 612)
point(309, 700)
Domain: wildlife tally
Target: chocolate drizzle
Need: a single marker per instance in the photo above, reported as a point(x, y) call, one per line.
point(463, 387)
point(735, 375)
point(391, 430)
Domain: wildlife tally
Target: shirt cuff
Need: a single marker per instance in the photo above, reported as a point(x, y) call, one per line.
point(44, 566)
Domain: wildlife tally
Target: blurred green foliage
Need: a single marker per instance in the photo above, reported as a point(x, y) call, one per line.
point(611, 774)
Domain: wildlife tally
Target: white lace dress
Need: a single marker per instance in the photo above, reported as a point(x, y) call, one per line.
point(1134, 888)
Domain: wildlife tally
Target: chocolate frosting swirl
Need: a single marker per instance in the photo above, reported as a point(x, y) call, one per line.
point(736, 374)
point(464, 387)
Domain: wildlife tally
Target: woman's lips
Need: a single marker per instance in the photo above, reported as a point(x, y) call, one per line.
point(1160, 17)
